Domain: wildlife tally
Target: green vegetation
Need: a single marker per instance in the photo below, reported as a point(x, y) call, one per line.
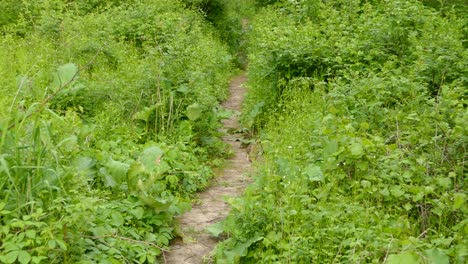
point(227, 17)
point(109, 117)
point(361, 111)
point(108, 124)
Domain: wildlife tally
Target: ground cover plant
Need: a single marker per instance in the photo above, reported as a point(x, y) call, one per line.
point(102, 140)
point(360, 108)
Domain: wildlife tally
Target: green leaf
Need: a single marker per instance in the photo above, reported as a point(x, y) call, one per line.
point(162, 240)
point(99, 231)
point(117, 219)
point(224, 113)
point(52, 244)
point(314, 173)
point(85, 166)
point(138, 212)
point(145, 114)
point(11, 257)
point(108, 179)
point(31, 234)
point(5, 229)
point(38, 259)
point(65, 74)
point(24, 257)
point(150, 157)
point(366, 184)
point(183, 89)
point(118, 170)
point(241, 248)
point(172, 179)
point(405, 257)
point(444, 182)
point(157, 205)
point(436, 256)
point(194, 111)
point(142, 258)
point(356, 150)
point(396, 191)
point(216, 229)
point(330, 149)
point(458, 200)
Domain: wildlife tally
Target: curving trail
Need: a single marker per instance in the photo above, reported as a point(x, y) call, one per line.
point(197, 243)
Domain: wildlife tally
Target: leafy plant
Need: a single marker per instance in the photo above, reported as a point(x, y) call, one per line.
point(106, 107)
point(360, 125)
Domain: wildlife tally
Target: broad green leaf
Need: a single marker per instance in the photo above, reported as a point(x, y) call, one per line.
point(194, 111)
point(38, 259)
point(108, 179)
point(142, 258)
point(5, 229)
point(458, 200)
point(224, 113)
point(68, 143)
point(24, 257)
point(183, 89)
point(356, 149)
point(118, 170)
point(103, 247)
point(138, 212)
point(330, 148)
point(405, 257)
point(84, 163)
point(215, 229)
point(11, 257)
point(99, 231)
point(85, 166)
point(314, 173)
point(150, 157)
point(30, 233)
point(157, 205)
point(52, 244)
point(145, 114)
point(65, 74)
point(396, 191)
point(135, 172)
point(117, 219)
point(241, 248)
point(444, 182)
point(172, 179)
point(436, 256)
point(384, 192)
point(162, 240)
point(366, 184)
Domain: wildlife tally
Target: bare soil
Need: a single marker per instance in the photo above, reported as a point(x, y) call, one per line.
point(196, 243)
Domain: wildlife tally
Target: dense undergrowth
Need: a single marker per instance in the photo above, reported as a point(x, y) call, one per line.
point(108, 124)
point(361, 111)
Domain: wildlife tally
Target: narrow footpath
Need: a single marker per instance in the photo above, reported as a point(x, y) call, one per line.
point(196, 243)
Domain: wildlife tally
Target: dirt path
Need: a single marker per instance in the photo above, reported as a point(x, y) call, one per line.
point(197, 243)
